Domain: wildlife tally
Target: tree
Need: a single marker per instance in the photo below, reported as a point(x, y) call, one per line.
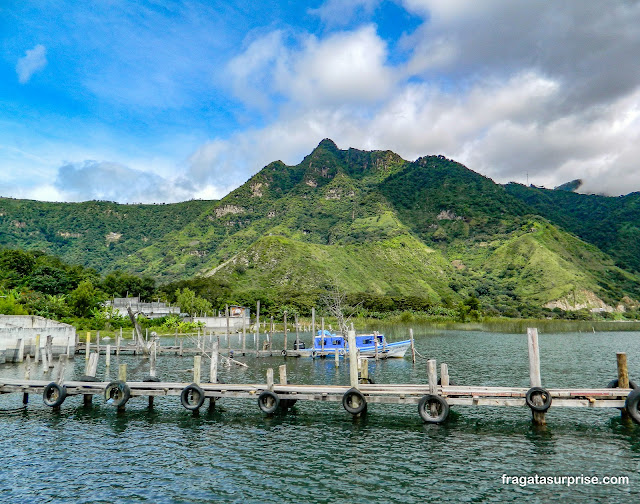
point(192, 304)
point(85, 298)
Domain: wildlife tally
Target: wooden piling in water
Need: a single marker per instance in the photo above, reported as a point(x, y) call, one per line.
point(107, 361)
point(37, 351)
point(50, 350)
point(27, 376)
point(539, 417)
point(197, 368)
point(270, 379)
point(444, 375)
point(413, 347)
point(226, 310)
point(623, 379)
point(313, 324)
point(87, 349)
point(283, 374)
point(285, 330)
point(336, 357)
point(353, 359)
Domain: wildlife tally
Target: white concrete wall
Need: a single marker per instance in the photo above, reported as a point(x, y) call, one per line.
point(26, 327)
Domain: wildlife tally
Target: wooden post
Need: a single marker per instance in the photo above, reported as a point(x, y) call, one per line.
point(257, 326)
point(91, 367)
point(244, 333)
point(283, 374)
point(623, 380)
point(118, 341)
point(20, 350)
point(197, 363)
point(88, 347)
point(271, 334)
point(37, 353)
point(322, 334)
point(98, 341)
point(623, 372)
point(534, 372)
point(313, 324)
point(270, 379)
point(364, 369)
point(152, 360)
point(180, 349)
point(27, 376)
point(107, 361)
point(122, 372)
point(375, 344)
point(68, 347)
point(297, 333)
point(353, 359)
point(226, 313)
point(61, 369)
point(413, 347)
point(285, 330)
point(444, 375)
point(432, 373)
point(50, 350)
point(337, 357)
point(213, 367)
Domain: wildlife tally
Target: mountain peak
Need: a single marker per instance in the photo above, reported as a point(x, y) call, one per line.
point(328, 144)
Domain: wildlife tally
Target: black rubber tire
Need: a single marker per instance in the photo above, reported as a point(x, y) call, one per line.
point(546, 397)
point(119, 392)
point(365, 380)
point(347, 401)
point(151, 379)
point(614, 384)
point(54, 395)
point(424, 409)
point(451, 382)
point(87, 378)
point(632, 403)
point(283, 353)
point(192, 397)
point(268, 402)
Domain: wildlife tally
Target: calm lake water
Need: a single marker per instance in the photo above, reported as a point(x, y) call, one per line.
point(318, 452)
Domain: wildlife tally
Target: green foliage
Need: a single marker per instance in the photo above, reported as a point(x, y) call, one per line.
point(192, 304)
point(10, 305)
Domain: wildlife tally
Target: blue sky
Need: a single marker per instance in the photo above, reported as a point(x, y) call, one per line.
point(160, 101)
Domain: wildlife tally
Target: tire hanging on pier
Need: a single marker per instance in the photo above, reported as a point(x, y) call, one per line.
point(538, 392)
point(192, 397)
point(354, 402)
point(633, 405)
point(614, 384)
point(54, 395)
point(440, 405)
point(268, 402)
point(117, 393)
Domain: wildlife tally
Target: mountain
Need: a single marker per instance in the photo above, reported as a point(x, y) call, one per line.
point(367, 222)
point(610, 223)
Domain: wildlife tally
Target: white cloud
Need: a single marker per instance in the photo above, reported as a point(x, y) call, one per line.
point(344, 67)
point(34, 60)
point(342, 12)
point(115, 182)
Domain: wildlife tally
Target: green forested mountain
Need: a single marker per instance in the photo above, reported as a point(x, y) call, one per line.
point(611, 223)
point(368, 223)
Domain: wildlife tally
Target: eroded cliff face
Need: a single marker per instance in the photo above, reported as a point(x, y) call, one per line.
point(581, 299)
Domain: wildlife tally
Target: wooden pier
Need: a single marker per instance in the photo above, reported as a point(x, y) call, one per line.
point(433, 398)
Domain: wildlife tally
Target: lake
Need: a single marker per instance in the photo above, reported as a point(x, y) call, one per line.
point(318, 452)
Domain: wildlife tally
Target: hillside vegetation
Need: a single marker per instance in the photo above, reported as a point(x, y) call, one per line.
point(386, 231)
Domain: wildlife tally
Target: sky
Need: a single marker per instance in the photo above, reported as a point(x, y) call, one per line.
point(163, 101)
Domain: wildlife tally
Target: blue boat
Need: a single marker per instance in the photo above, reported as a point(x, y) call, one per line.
point(329, 343)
